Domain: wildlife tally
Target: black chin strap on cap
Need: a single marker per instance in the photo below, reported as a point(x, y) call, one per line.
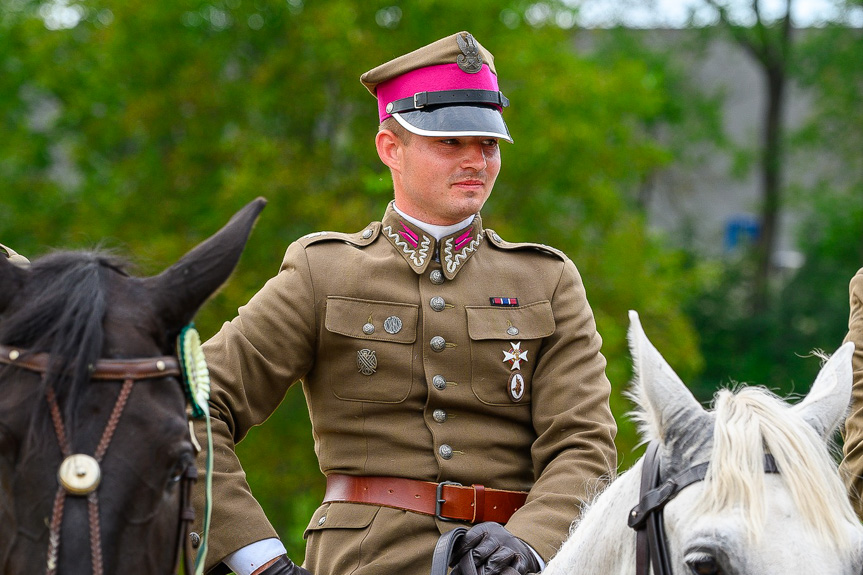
point(448, 98)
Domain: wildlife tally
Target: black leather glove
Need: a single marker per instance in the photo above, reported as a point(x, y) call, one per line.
point(284, 566)
point(489, 549)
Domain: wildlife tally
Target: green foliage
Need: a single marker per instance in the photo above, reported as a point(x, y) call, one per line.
point(777, 349)
point(147, 124)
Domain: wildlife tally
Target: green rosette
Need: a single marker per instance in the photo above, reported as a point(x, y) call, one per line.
point(196, 377)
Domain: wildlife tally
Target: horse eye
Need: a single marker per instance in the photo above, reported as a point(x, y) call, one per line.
point(178, 470)
point(177, 473)
point(704, 566)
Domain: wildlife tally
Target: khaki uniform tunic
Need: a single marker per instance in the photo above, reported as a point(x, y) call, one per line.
point(410, 369)
point(852, 464)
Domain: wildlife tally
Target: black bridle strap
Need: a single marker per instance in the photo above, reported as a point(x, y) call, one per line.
point(443, 550)
point(646, 517)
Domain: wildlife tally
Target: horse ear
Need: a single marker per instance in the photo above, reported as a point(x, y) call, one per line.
point(11, 279)
point(181, 289)
point(826, 404)
point(669, 408)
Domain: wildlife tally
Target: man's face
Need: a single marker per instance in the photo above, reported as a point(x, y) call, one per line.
point(443, 180)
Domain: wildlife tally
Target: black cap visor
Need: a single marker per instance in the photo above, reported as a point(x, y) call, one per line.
point(437, 121)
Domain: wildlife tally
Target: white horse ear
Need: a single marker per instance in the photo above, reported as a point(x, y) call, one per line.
point(826, 404)
point(659, 391)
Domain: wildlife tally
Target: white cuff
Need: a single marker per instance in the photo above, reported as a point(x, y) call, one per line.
point(246, 559)
point(535, 554)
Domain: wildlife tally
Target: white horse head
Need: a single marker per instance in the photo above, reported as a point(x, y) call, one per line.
point(739, 519)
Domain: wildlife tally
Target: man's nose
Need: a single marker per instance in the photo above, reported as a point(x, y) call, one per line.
point(474, 157)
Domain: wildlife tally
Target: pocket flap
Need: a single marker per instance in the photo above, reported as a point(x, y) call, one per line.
point(395, 322)
point(342, 516)
point(533, 321)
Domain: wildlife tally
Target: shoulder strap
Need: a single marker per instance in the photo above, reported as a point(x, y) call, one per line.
point(497, 241)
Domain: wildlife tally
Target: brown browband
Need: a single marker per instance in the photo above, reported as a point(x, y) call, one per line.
point(104, 369)
point(446, 500)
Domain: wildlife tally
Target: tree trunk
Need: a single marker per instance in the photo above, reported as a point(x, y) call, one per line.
point(771, 182)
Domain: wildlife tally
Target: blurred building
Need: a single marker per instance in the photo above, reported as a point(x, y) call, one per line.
point(712, 204)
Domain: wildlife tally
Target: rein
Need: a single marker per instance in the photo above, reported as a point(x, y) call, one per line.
point(651, 546)
point(80, 474)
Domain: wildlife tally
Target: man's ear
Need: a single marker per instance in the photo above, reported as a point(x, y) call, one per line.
point(389, 149)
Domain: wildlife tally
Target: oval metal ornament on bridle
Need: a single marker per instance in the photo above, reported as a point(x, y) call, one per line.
point(79, 474)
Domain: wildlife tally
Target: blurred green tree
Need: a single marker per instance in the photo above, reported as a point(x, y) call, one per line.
point(142, 126)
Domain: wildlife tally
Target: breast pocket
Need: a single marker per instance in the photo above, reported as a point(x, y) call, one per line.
point(370, 347)
point(504, 346)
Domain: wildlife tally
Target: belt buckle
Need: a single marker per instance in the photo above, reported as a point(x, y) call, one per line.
point(439, 500)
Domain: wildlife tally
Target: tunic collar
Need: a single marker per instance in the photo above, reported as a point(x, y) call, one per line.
point(418, 247)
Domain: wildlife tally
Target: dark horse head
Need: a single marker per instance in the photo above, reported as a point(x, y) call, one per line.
point(80, 310)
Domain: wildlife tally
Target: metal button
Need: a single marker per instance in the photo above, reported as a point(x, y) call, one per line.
point(369, 329)
point(436, 277)
point(367, 234)
point(439, 382)
point(439, 415)
point(438, 343)
point(322, 520)
point(392, 325)
point(512, 330)
point(445, 451)
point(195, 539)
point(437, 303)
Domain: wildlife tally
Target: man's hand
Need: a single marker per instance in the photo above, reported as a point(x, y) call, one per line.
point(489, 549)
point(281, 566)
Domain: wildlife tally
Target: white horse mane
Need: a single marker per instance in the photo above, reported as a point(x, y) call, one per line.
point(752, 421)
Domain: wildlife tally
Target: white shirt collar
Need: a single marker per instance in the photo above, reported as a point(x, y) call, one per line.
point(434, 230)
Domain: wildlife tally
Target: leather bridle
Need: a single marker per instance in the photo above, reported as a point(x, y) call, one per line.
point(646, 517)
point(128, 371)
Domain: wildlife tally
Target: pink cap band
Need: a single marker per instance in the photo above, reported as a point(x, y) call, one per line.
point(432, 79)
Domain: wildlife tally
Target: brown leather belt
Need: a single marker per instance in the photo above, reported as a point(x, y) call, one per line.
point(447, 500)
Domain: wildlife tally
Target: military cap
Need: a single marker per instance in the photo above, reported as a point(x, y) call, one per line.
point(447, 88)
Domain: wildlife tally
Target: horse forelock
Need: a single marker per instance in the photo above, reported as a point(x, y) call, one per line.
point(62, 314)
point(752, 421)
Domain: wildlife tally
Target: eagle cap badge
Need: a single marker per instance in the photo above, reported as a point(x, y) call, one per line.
point(470, 60)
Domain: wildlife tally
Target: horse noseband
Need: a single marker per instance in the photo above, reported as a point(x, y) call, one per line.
point(646, 517)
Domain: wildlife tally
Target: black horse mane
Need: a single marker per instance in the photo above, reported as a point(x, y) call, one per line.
point(63, 314)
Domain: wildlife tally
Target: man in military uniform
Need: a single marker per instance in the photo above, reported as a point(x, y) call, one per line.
point(452, 378)
point(852, 464)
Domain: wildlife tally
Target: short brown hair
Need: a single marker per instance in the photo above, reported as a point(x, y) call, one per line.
point(393, 126)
